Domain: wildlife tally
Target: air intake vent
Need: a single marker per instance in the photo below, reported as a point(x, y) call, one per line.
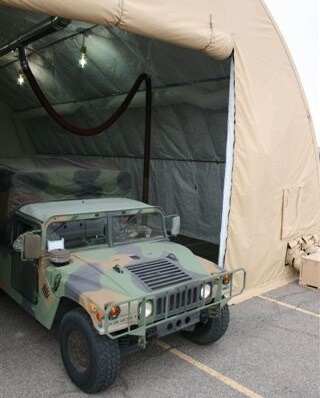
point(159, 274)
point(45, 291)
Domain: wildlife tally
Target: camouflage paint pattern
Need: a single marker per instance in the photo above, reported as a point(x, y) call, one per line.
point(91, 281)
point(40, 179)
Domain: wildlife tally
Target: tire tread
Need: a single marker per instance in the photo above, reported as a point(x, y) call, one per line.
point(211, 331)
point(106, 354)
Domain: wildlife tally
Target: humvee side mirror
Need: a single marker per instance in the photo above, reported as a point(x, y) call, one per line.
point(32, 247)
point(174, 228)
point(29, 245)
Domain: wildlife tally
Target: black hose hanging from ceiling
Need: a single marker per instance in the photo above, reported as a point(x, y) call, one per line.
point(106, 124)
point(64, 123)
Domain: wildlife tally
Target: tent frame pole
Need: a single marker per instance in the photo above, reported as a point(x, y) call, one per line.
point(147, 141)
point(45, 28)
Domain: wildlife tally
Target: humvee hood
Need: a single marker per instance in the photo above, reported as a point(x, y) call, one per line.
point(117, 260)
point(108, 272)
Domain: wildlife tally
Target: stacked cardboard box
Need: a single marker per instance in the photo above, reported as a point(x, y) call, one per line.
point(310, 271)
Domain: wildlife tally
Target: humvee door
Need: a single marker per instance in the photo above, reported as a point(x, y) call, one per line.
point(24, 273)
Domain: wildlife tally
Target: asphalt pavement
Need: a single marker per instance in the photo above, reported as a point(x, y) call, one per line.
point(271, 349)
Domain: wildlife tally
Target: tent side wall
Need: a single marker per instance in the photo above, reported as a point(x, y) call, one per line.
point(275, 190)
point(9, 141)
point(275, 182)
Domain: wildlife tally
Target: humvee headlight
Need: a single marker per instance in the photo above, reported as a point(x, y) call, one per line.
point(148, 310)
point(114, 312)
point(205, 291)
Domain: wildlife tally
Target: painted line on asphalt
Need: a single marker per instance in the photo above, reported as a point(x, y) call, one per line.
point(292, 307)
point(219, 376)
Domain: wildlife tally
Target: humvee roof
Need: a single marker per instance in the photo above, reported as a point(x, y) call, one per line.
point(42, 211)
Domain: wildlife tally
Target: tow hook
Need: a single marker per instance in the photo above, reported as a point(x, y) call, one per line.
point(142, 342)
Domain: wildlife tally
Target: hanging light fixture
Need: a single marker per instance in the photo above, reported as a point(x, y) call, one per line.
point(20, 78)
point(83, 55)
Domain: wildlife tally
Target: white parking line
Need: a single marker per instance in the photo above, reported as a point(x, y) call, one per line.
point(224, 379)
point(292, 307)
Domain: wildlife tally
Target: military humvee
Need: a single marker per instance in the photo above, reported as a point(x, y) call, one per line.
point(106, 269)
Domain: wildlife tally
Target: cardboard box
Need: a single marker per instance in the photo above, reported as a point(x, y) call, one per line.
point(310, 271)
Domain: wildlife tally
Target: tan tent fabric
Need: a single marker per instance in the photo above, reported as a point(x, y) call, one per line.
point(275, 183)
point(193, 27)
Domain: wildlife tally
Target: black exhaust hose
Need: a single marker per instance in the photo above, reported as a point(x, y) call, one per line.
point(64, 123)
point(106, 124)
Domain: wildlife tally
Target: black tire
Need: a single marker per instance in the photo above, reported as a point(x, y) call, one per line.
point(91, 361)
point(210, 331)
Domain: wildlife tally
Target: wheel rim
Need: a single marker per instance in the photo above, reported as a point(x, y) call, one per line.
point(78, 350)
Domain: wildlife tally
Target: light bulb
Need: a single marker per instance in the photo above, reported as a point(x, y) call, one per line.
point(83, 57)
point(20, 79)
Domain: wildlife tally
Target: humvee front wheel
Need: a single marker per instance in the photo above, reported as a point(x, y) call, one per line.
point(91, 361)
point(212, 330)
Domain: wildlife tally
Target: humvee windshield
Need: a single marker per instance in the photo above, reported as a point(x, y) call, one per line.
point(128, 227)
point(133, 225)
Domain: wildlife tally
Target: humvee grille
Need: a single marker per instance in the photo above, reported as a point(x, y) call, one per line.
point(159, 274)
point(175, 302)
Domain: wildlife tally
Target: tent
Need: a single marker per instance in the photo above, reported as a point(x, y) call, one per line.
point(233, 147)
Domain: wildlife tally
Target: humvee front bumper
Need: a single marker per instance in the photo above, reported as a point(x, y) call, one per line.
point(173, 309)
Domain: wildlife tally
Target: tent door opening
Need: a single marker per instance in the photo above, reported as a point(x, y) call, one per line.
point(189, 124)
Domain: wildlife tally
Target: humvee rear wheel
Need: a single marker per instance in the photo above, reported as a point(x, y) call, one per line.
point(210, 331)
point(91, 361)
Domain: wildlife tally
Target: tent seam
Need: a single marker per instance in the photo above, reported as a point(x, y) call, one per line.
point(121, 6)
point(211, 39)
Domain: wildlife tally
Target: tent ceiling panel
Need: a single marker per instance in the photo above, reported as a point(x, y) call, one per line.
point(116, 58)
point(11, 25)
